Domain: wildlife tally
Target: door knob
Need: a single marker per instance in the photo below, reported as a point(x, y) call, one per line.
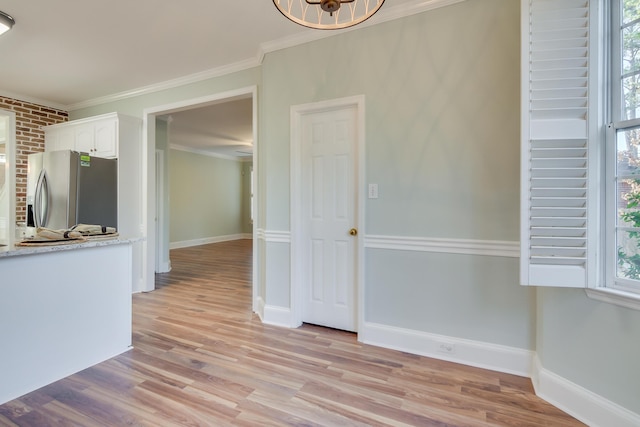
point(353, 231)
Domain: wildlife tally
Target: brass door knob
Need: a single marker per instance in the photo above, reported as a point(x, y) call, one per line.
point(353, 231)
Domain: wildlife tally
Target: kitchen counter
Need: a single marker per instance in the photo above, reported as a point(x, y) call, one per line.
point(62, 309)
point(12, 250)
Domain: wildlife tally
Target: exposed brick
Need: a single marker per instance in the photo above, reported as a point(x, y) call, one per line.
point(29, 139)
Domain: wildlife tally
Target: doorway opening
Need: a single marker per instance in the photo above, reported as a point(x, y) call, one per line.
point(156, 201)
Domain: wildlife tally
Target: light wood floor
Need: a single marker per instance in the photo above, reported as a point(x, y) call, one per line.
point(201, 358)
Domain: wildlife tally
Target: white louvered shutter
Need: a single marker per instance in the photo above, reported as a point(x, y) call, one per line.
point(555, 68)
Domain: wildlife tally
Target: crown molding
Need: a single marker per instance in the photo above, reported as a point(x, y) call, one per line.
point(169, 84)
point(384, 15)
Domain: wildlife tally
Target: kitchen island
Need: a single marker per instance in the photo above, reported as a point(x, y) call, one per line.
point(62, 309)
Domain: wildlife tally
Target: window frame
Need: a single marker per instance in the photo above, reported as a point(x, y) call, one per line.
point(611, 289)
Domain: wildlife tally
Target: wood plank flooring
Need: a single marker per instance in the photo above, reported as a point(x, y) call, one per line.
point(201, 358)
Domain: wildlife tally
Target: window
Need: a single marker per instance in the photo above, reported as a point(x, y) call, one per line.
point(623, 148)
point(580, 165)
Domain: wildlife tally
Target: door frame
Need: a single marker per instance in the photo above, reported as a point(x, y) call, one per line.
point(10, 182)
point(149, 177)
point(296, 208)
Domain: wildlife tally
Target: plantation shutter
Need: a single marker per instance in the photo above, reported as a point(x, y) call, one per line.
point(555, 89)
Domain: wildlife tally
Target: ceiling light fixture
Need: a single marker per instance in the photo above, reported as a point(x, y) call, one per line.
point(6, 22)
point(328, 14)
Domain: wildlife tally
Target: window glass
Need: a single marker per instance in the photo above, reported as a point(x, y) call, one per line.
point(630, 34)
point(628, 204)
point(627, 149)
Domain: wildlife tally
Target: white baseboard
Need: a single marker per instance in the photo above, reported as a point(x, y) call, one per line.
point(474, 353)
point(588, 407)
point(208, 240)
point(279, 316)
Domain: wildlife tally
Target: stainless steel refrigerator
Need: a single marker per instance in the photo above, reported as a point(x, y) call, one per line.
point(65, 188)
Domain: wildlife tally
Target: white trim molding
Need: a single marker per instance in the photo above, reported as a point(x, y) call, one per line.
point(588, 407)
point(480, 354)
point(273, 236)
point(279, 316)
point(452, 246)
point(208, 240)
point(419, 244)
point(170, 84)
point(614, 296)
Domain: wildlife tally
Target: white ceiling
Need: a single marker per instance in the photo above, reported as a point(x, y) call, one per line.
point(72, 53)
point(224, 129)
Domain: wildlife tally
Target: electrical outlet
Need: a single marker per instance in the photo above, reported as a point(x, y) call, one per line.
point(373, 191)
point(446, 347)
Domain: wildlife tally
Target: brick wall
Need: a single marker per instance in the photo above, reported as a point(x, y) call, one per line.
point(29, 139)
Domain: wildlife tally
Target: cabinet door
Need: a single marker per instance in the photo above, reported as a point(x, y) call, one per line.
point(66, 140)
point(58, 139)
point(51, 139)
point(105, 139)
point(84, 139)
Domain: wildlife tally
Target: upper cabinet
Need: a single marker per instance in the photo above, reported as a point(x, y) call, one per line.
point(98, 136)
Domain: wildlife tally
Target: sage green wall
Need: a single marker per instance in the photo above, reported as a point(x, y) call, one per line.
point(591, 343)
point(207, 196)
point(442, 118)
point(247, 223)
point(442, 143)
point(465, 296)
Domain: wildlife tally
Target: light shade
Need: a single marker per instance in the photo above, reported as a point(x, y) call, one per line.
point(6, 22)
point(328, 14)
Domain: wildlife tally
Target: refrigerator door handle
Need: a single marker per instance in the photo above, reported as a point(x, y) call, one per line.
point(41, 200)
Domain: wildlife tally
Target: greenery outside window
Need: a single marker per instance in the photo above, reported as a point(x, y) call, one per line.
point(623, 147)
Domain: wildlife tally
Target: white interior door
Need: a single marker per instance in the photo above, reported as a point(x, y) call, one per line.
point(329, 216)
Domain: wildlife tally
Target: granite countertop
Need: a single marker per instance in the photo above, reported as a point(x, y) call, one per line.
point(12, 250)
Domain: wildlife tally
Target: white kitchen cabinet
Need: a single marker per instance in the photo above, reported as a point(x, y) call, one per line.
point(69, 312)
point(98, 136)
point(58, 139)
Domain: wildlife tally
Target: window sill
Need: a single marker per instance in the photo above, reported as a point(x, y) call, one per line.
point(614, 296)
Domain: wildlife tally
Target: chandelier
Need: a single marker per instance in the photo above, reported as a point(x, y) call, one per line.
point(6, 22)
point(328, 14)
